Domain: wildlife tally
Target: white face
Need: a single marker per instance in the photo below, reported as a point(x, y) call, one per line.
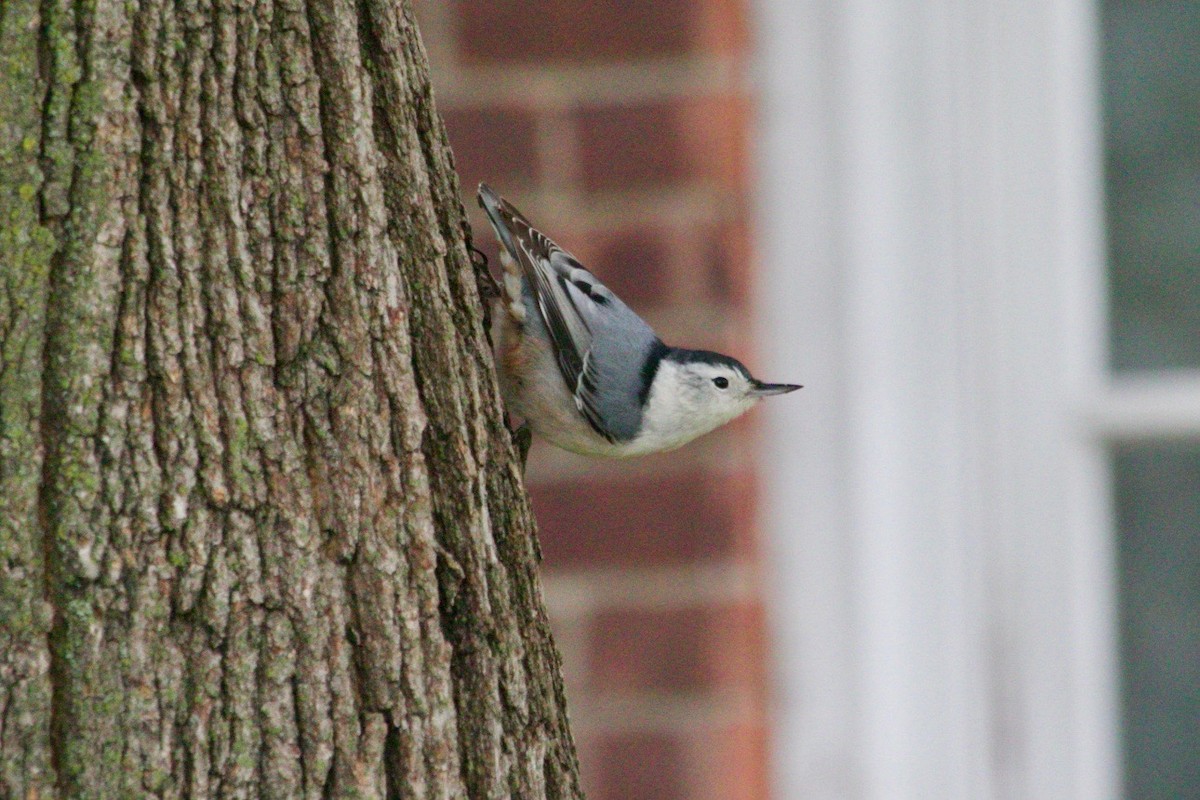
point(691, 399)
point(719, 390)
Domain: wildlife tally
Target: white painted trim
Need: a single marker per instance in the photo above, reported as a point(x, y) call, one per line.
point(1090, 522)
point(815, 710)
point(932, 272)
point(1143, 407)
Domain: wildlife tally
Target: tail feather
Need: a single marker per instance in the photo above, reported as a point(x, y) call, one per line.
point(499, 212)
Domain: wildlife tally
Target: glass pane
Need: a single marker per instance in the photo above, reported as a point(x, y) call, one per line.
point(1151, 63)
point(1158, 514)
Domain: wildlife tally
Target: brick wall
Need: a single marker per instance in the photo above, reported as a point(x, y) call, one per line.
point(621, 128)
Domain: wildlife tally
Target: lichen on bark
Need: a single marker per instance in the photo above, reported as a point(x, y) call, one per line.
point(25, 250)
point(261, 527)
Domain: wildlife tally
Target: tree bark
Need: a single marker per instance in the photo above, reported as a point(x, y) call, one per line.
point(262, 532)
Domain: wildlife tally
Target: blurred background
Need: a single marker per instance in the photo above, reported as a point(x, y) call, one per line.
point(964, 561)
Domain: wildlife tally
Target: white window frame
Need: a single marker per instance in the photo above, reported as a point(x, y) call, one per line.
point(938, 497)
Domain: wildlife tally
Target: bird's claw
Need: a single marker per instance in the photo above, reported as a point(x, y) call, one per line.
point(522, 438)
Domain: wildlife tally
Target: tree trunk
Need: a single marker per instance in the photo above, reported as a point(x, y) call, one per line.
point(261, 528)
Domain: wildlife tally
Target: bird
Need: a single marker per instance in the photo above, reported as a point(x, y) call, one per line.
point(588, 374)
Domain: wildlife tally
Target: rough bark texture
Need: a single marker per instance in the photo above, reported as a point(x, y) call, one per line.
point(261, 529)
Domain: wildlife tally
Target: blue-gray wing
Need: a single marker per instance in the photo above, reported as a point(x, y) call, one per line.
point(601, 345)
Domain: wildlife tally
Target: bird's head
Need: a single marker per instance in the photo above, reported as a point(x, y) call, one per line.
point(696, 391)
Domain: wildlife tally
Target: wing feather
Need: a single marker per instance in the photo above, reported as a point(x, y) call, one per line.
point(582, 316)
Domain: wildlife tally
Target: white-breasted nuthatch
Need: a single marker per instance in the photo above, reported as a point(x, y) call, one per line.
point(587, 373)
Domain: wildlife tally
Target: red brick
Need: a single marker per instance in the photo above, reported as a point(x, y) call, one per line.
point(650, 650)
point(726, 259)
point(493, 144)
point(643, 520)
point(632, 146)
point(739, 648)
point(717, 131)
point(677, 650)
point(738, 769)
point(635, 264)
point(638, 766)
point(660, 143)
point(724, 27)
point(539, 31)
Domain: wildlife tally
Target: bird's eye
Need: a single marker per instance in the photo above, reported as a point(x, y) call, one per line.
point(721, 383)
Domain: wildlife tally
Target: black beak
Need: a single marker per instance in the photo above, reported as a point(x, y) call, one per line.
point(760, 389)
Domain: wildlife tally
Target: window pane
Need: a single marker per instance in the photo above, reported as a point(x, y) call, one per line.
point(1151, 62)
point(1158, 514)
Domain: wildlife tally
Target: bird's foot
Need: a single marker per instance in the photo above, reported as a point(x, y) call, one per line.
point(522, 438)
